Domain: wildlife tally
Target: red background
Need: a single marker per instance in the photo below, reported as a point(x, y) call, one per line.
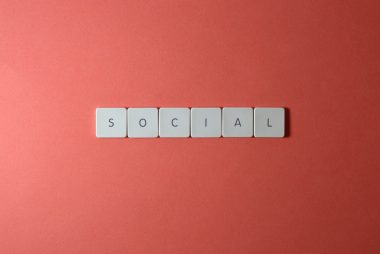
point(64, 191)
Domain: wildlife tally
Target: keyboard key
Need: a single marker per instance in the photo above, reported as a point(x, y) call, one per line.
point(142, 122)
point(237, 122)
point(174, 122)
point(206, 122)
point(111, 122)
point(269, 122)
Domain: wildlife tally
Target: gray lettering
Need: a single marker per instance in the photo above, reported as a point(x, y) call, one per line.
point(111, 122)
point(174, 125)
point(237, 122)
point(268, 124)
point(142, 122)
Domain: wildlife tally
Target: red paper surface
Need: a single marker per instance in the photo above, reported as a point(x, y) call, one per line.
point(64, 191)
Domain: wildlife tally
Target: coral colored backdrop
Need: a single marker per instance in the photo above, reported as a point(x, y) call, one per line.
point(64, 191)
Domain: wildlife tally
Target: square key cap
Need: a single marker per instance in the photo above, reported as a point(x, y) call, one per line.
point(206, 122)
point(142, 122)
point(174, 122)
point(111, 122)
point(269, 122)
point(237, 122)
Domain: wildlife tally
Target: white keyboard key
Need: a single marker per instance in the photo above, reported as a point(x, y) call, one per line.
point(206, 122)
point(174, 122)
point(269, 122)
point(142, 122)
point(237, 122)
point(111, 122)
